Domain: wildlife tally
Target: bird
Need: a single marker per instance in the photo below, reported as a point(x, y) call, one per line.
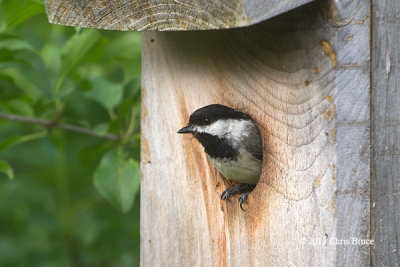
point(232, 142)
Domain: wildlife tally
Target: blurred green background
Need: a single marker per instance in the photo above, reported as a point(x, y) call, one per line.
point(67, 198)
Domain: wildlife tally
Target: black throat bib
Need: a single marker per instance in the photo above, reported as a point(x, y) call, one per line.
point(217, 147)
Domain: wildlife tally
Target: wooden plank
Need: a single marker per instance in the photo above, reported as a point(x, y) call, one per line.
point(352, 21)
point(385, 187)
point(161, 15)
point(311, 107)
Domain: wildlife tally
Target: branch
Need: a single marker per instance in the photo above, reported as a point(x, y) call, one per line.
point(65, 126)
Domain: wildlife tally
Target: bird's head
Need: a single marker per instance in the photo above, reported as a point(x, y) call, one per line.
point(216, 120)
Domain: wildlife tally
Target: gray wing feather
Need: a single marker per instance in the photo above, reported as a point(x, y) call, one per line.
point(253, 143)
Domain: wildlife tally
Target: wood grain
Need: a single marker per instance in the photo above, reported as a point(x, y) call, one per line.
point(352, 20)
point(385, 187)
point(168, 15)
point(309, 95)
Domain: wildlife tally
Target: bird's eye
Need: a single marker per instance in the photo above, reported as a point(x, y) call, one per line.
point(206, 120)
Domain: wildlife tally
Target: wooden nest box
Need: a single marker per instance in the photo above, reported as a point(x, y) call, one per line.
point(321, 82)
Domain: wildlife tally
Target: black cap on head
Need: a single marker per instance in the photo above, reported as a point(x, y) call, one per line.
point(208, 114)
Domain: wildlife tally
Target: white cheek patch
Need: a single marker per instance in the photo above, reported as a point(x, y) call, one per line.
point(234, 130)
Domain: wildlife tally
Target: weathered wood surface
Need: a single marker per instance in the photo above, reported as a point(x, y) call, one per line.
point(305, 81)
point(168, 15)
point(385, 189)
point(353, 130)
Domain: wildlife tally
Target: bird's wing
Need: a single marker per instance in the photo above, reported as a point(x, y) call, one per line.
point(253, 144)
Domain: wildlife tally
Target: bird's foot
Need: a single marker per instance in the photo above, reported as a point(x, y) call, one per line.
point(227, 193)
point(243, 189)
point(243, 199)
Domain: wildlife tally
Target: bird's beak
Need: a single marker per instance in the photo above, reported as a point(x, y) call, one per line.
point(187, 129)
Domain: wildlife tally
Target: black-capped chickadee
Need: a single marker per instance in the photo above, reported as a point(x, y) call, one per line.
point(232, 142)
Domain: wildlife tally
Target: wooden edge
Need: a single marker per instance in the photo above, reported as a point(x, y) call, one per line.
point(163, 15)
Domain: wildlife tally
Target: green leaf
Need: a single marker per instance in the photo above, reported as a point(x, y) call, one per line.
point(101, 129)
point(105, 92)
point(74, 52)
point(15, 44)
point(51, 56)
point(117, 179)
point(23, 82)
point(20, 10)
point(66, 89)
point(16, 140)
point(20, 106)
point(6, 169)
point(125, 51)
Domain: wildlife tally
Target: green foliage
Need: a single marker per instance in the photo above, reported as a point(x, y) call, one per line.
point(117, 179)
point(51, 213)
point(105, 92)
point(6, 169)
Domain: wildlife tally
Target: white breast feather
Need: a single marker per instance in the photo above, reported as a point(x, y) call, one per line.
point(246, 169)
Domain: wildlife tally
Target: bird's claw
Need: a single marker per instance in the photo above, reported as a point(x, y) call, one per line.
point(240, 188)
point(243, 199)
point(227, 193)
